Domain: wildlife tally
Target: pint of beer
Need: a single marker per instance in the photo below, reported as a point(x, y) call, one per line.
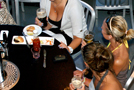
point(41, 15)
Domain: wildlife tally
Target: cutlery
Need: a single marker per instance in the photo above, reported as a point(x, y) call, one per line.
point(44, 62)
point(26, 40)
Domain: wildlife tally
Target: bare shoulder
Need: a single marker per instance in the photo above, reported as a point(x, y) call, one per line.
point(113, 86)
point(118, 61)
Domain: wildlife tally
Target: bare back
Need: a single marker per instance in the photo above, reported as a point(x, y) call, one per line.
point(121, 59)
point(109, 83)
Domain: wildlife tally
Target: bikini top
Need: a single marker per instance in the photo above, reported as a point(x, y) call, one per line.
point(125, 42)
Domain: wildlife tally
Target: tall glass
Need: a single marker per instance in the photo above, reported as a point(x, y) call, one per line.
point(41, 15)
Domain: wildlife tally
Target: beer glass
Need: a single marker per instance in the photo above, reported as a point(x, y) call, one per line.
point(77, 82)
point(88, 36)
point(41, 15)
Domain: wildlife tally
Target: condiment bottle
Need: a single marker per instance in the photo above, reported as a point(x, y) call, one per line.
point(36, 41)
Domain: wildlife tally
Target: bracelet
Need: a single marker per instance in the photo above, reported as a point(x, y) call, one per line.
point(70, 49)
point(84, 79)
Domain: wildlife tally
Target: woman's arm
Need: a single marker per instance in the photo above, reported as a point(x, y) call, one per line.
point(74, 44)
point(117, 66)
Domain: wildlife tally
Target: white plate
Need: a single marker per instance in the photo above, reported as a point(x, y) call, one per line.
point(43, 40)
point(18, 43)
point(38, 28)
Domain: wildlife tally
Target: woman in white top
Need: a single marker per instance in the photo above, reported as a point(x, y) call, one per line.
point(65, 18)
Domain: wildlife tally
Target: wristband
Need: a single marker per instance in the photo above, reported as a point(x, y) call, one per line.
point(84, 79)
point(70, 49)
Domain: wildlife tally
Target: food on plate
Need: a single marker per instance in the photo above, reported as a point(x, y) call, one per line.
point(29, 33)
point(47, 42)
point(18, 39)
point(30, 30)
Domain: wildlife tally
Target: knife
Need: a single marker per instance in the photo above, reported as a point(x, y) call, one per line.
point(44, 54)
point(26, 40)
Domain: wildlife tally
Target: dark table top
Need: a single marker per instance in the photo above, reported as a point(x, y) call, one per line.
point(56, 75)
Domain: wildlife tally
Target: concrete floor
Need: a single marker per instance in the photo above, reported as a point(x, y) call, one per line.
point(28, 17)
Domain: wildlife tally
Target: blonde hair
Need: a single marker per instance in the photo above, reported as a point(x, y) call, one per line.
point(118, 28)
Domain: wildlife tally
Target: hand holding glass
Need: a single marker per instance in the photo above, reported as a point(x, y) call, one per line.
point(77, 82)
point(41, 15)
point(88, 36)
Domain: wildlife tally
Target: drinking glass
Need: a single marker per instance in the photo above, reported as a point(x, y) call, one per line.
point(41, 15)
point(36, 54)
point(88, 36)
point(77, 82)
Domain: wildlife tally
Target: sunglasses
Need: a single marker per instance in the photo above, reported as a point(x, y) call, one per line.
point(107, 21)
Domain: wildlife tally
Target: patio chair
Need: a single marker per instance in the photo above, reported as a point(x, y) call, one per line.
point(130, 76)
point(89, 15)
point(90, 20)
point(130, 82)
point(22, 7)
point(115, 5)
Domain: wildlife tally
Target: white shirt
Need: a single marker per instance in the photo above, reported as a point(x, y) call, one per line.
point(73, 19)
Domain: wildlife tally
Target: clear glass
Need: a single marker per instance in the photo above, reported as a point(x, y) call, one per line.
point(36, 54)
point(88, 36)
point(41, 13)
point(77, 82)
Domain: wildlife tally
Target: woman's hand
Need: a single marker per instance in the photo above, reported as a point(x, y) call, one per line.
point(83, 43)
point(79, 73)
point(63, 45)
point(38, 22)
point(72, 87)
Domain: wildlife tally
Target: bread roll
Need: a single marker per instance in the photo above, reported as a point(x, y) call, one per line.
point(18, 39)
point(30, 30)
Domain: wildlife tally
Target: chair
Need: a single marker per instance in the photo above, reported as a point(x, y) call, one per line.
point(129, 82)
point(90, 19)
point(115, 5)
point(130, 75)
point(31, 1)
point(22, 7)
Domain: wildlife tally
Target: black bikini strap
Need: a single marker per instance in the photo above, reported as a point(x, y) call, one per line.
point(99, 83)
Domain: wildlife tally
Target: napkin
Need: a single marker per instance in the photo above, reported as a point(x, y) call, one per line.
point(58, 37)
point(1, 34)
